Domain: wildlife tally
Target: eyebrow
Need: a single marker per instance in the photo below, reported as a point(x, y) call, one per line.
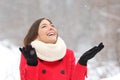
point(46, 24)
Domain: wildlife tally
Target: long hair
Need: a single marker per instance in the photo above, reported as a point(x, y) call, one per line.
point(33, 31)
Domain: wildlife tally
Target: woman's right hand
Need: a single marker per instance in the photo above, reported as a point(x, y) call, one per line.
point(30, 55)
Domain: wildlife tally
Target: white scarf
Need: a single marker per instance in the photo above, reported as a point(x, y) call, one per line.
point(50, 52)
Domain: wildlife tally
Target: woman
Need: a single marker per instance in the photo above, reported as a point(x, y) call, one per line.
point(46, 57)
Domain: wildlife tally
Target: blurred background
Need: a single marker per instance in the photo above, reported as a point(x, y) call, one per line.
point(81, 23)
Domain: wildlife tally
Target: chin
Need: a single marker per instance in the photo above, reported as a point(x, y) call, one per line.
point(52, 40)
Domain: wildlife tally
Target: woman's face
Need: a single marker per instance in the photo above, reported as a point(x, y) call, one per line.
point(47, 32)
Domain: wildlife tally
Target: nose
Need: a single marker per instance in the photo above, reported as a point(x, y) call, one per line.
point(50, 27)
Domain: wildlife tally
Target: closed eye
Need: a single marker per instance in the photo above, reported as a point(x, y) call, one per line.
point(52, 25)
point(43, 26)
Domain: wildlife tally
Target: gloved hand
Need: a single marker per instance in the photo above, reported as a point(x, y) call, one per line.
point(30, 55)
point(90, 54)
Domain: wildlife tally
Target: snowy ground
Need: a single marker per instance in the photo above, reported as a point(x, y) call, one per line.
point(9, 62)
point(116, 77)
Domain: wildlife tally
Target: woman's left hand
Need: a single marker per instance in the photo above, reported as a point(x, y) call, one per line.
point(90, 54)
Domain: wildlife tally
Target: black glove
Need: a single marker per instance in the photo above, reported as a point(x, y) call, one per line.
point(30, 55)
point(90, 54)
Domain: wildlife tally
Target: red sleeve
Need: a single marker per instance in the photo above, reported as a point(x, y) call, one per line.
point(78, 71)
point(26, 71)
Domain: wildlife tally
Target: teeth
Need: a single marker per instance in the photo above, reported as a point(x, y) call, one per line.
point(50, 34)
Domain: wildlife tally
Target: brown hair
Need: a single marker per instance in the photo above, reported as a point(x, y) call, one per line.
point(33, 31)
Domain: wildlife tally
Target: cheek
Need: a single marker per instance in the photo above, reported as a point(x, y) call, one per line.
point(41, 32)
point(40, 35)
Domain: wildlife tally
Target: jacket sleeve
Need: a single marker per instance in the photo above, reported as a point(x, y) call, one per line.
point(26, 71)
point(78, 71)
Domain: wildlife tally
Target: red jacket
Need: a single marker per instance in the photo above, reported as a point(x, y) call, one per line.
point(64, 69)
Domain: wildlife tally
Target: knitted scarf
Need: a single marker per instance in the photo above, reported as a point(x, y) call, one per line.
point(49, 52)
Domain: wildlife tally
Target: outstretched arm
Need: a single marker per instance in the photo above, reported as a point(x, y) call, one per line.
point(80, 70)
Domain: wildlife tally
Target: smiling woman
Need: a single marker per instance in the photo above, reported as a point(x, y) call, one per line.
point(46, 57)
point(47, 32)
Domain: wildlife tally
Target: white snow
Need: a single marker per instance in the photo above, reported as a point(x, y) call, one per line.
point(116, 77)
point(10, 58)
point(9, 61)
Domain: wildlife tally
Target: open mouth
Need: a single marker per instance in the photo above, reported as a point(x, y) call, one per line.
point(51, 34)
